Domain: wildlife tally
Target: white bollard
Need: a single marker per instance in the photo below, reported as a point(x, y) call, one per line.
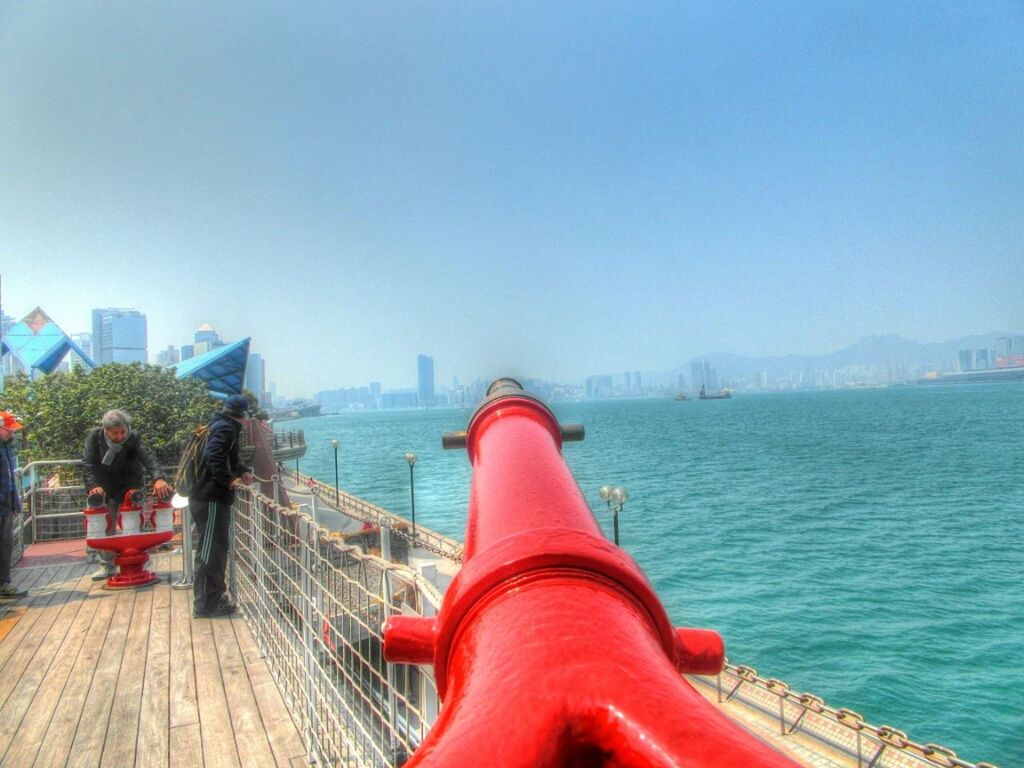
point(130, 522)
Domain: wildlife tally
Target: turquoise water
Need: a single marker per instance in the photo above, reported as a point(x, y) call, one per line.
point(865, 546)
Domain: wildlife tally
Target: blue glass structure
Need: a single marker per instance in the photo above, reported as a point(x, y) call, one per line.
point(39, 344)
point(223, 368)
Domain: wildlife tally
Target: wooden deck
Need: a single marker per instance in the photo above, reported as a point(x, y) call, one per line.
point(91, 677)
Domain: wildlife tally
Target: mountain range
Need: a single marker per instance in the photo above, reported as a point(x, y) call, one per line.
point(911, 356)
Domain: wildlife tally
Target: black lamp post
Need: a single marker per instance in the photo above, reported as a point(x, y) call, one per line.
point(336, 491)
point(411, 458)
point(615, 498)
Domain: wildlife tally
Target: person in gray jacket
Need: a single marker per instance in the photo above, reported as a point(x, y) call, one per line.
point(116, 460)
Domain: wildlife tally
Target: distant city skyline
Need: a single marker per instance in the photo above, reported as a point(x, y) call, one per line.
point(549, 190)
point(687, 374)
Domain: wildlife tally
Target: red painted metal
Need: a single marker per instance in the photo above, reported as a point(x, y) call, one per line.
point(551, 647)
point(130, 549)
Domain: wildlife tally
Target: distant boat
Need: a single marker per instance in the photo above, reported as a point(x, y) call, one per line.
point(680, 396)
point(722, 394)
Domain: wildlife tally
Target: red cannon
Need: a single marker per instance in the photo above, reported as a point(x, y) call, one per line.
point(551, 647)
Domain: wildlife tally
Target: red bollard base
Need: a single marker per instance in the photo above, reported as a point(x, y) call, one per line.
point(131, 557)
point(131, 574)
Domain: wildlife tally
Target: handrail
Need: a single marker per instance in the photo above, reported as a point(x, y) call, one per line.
point(360, 509)
point(864, 741)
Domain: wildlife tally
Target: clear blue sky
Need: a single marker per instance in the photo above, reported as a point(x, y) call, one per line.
point(535, 189)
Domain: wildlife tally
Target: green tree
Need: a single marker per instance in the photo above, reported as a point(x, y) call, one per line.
point(59, 410)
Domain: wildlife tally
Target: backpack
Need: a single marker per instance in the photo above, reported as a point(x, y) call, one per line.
point(190, 461)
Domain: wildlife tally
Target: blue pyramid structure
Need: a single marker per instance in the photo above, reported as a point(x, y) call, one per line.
point(39, 344)
point(223, 368)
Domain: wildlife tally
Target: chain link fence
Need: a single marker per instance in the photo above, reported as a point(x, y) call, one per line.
point(316, 606)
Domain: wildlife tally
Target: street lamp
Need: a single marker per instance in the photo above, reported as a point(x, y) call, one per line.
point(615, 498)
point(411, 458)
point(336, 492)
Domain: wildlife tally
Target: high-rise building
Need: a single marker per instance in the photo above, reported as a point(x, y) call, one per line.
point(966, 360)
point(168, 357)
point(206, 335)
point(118, 336)
point(83, 340)
point(255, 377)
point(425, 379)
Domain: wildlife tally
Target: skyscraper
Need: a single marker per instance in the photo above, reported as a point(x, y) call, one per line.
point(425, 379)
point(255, 377)
point(118, 336)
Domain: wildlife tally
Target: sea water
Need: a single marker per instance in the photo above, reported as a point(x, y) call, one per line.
point(865, 546)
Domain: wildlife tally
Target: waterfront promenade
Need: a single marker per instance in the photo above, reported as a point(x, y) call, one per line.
point(91, 677)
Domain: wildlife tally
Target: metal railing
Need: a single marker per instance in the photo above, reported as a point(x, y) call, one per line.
point(52, 503)
point(842, 731)
point(316, 606)
point(359, 509)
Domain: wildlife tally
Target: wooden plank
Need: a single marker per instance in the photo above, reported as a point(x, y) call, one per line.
point(123, 725)
point(184, 707)
point(26, 669)
point(16, 609)
point(29, 737)
point(186, 746)
point(154, 717)
point(60, 733)
point(92, 727)
point(282, 732)
point(214, 718)
point(38, 599)
point(250, 734)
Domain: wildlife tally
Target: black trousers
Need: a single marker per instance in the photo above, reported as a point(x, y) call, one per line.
point(212, 521)
point(6, 546)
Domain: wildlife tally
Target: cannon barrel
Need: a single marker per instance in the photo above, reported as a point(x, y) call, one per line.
point(551, 648)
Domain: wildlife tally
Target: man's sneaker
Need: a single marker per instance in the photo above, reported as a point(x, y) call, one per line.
point(224, 608)
point(11, 592)
point(104, 573)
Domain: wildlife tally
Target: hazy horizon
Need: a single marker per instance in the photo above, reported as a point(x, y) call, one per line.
point(551, 190)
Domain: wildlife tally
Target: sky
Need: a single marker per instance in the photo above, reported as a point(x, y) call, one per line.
point(533, 189)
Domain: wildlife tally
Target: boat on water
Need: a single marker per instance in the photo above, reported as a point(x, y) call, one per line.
point(681, 396)
point(722, 394)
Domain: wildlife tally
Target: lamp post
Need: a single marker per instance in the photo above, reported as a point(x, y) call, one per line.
point(411, 458)
point(336, 492)
point(615, 498)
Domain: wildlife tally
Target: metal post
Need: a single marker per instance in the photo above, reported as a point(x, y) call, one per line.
point(615, 522)
point(411, 458)
point(337, 493)
point(277, 489)
point(412, 500)
point(314, 505)
point(385, 551)
point(233, 548)
point(187, 564)
point(308, 658)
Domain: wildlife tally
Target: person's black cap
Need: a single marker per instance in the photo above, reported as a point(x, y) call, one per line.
point(236, 406)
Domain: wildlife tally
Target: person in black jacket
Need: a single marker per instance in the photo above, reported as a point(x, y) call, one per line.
point(220, 473)
point(115, 460)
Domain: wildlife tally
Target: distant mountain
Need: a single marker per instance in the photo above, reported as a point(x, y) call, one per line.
point(912, 356)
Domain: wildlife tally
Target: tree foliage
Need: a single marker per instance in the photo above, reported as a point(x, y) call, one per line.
point(59, 410)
